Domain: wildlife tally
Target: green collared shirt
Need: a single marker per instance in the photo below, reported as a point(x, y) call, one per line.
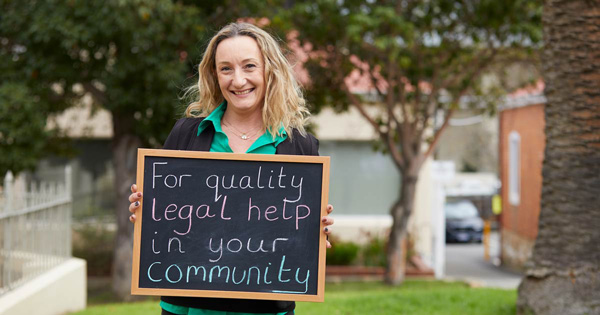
point(175, 309)
point(265, 144)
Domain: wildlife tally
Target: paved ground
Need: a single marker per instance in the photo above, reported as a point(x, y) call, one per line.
point(465, 262)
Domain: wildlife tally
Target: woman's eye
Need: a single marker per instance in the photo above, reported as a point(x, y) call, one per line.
point(225, 69)
point(250, 65)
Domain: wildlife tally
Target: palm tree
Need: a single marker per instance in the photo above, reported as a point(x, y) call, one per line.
point(563, 276)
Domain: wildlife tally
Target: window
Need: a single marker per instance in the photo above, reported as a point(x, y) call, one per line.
point(363, 182)
point(514, 168)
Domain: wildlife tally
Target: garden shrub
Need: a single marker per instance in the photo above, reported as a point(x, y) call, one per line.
point(342, 253)
point(94, 243)
point(373, 253)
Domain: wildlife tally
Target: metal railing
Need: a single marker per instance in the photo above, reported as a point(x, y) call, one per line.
point(35, 228)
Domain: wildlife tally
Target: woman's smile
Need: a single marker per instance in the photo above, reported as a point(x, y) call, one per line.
point(243, 92)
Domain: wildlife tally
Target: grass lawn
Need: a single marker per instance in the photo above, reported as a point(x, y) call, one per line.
point(413, 297)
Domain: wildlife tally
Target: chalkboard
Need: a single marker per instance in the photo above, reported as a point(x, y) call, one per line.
point(230, 225)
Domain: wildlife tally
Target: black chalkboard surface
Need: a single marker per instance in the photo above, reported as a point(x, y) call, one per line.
point(230, 225)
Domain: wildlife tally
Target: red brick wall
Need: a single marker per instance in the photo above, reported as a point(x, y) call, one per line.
point(521, 221)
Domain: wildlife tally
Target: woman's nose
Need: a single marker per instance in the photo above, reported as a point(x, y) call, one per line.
point(239, 79)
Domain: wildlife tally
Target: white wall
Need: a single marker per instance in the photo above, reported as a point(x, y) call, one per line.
point(420, 223)
point(57, 291)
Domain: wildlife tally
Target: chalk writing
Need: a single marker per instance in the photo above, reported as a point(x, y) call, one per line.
point(176, 273)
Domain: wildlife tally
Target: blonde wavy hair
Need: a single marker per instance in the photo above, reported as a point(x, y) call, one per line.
point(284, 104)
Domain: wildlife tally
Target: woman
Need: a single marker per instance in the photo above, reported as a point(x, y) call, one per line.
point(248, 102)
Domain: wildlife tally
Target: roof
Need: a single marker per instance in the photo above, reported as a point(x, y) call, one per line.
point(529, 95)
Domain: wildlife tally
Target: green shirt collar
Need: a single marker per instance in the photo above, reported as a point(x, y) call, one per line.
point(214, 118)
point(268, 139)
point(265, 139)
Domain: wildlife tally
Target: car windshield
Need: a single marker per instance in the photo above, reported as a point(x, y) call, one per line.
point(460, 210)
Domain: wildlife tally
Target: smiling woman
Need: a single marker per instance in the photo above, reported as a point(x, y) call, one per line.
point(248, 101)
point(255, 83)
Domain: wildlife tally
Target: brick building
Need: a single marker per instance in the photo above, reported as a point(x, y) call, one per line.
point(521, 154)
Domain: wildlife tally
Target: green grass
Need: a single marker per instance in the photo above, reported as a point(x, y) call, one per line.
point(413, 297)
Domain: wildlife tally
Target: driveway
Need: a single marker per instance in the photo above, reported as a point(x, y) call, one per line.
point(465, 262)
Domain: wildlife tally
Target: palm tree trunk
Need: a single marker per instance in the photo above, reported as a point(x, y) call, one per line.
point(563, 276)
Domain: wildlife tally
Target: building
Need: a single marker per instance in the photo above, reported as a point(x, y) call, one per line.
point(521, 154)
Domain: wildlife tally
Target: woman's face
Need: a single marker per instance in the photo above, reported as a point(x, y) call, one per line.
point(240, 71)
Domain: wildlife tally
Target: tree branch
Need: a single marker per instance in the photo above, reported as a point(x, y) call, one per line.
point(391, 97)
point(417, 88)
point(437, 135)
point(476, 70)
point(409, 142)
point(388, 139)
point(358, 104)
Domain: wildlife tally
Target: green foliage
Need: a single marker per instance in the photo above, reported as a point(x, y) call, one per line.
point(373, 253)
point(133, 56)
point(21, 124)
point(349, 253)
point(440, 42)
point(127, 54)
point(24, 137)
point(342, 253)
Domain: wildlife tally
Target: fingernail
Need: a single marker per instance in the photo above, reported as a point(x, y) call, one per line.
point(324, 219)
point(137, 203)
point(139, 194)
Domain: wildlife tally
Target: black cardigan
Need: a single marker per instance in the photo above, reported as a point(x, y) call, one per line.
point(184, 137)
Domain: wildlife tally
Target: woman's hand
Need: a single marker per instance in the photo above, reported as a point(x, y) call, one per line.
point(134, 198)
point(327, 221)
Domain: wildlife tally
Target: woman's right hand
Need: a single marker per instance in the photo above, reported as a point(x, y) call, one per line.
point(134, 198)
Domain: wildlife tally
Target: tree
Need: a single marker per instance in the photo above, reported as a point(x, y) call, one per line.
point(131, 56)
point(21, 146)
point(563, 274)
point(421, 57)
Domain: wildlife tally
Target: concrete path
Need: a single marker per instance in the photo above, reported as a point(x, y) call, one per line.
point(465, 262)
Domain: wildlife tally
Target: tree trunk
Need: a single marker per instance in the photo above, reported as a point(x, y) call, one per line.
point(401, 210)
point(125, 161)
point(563, 276)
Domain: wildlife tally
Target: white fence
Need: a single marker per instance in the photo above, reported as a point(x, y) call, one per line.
point(35, 228)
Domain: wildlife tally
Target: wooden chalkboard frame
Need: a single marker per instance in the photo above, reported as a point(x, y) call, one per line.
point(143, 153)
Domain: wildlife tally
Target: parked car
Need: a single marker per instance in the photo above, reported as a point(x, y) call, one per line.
point(463, 223)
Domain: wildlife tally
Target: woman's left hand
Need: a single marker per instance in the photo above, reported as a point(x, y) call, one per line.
point(327, 221)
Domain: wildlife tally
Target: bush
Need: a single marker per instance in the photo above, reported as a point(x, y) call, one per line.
point(348, 253)
point(94, 243)
point(373, 253)
point(342, 253)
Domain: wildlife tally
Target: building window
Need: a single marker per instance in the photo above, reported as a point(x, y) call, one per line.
point(514, 168)
point(363, 181)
